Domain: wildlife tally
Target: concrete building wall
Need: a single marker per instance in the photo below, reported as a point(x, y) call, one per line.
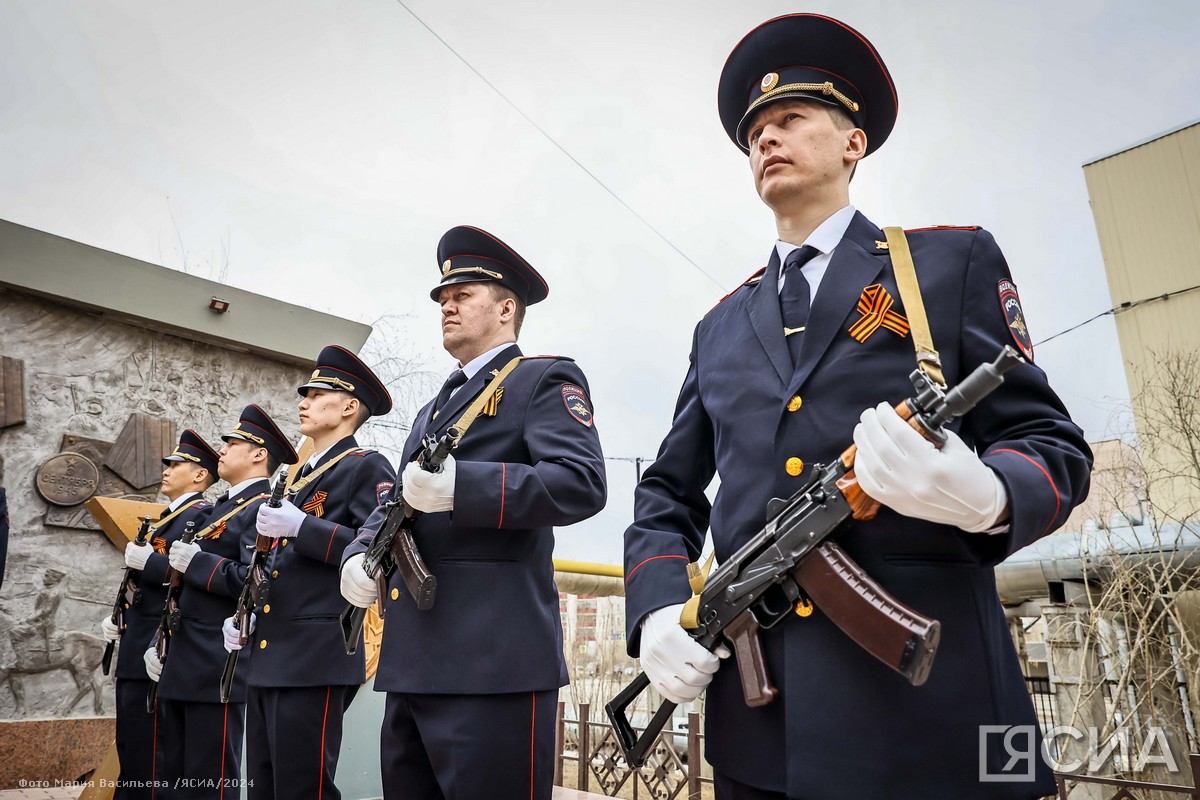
point(1146, 202)
point(85, 375)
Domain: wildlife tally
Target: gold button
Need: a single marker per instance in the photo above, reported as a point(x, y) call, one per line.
point(795, 403)
point(267, 608)
point(284, 543)
point(262, 645)
point(794, 466)
point(274, 573)
point(395, 594)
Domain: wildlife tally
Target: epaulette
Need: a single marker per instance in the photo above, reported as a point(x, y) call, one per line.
point(943, 228)
point(561, 358)
point(753, 279)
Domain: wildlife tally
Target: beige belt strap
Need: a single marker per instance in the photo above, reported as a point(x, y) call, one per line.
point(162, 522)
point(689, 617)
point(297, 487)
point(488, 392)
point(212, 526)
point(928, 360)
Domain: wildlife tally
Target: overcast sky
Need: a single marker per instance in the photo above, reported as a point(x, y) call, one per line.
point(325, 147)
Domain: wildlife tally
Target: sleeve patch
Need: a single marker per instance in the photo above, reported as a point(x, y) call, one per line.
point(576, 402)
point(381, 491)
point(1015, 317)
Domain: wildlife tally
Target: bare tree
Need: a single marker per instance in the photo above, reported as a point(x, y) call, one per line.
point(1139, 628)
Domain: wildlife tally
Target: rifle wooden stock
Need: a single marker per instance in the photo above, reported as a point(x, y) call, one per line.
point(898, 636)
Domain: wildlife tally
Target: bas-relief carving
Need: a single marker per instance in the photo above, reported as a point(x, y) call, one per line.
point(84, 376)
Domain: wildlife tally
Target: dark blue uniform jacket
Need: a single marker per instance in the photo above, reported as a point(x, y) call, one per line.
point(534, 464)
point(300, 622)
point(844, 725)
point(143, 616)
point(211, 587)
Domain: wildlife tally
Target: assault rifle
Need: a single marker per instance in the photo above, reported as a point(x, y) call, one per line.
point(393, 546)
point(254, 588)
point(792, 563)
point(128, 593)
point(169, 622)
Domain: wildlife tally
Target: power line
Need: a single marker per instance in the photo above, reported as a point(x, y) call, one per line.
point(1126, 306)
point(561, 149)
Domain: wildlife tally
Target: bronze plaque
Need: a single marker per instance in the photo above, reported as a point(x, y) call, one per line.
point(67, 479)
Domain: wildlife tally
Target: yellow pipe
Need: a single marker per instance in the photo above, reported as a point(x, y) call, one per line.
point(588, 568)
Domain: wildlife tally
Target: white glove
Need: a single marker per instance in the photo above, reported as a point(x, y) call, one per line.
point(357, 587)
point(279, 523)
point(676, 664)
point(181, 554)
point(429, 492)
point(109, 629)
point(153, 665)
point(903, 470)
point(233, 636)
point(137, 554)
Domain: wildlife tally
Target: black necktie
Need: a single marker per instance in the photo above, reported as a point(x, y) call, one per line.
point(794, 298)
point(456, 379)
point(308, 467)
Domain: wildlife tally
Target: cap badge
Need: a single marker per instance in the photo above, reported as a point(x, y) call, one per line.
point(768, 82)
point(446, 266)
point(316, 374)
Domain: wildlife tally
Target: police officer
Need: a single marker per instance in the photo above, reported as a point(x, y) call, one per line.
point(473, 682)
point(189, 470)
point(779, 378)
point(198, 739)
point(301, 678)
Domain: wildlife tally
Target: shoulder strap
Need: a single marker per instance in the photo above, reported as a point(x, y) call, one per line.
point(928, 360)
point(488, 392)
point(298, 487)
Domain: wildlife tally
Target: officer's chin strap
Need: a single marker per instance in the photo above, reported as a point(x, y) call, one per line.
point(689, 617)
point(928, 360)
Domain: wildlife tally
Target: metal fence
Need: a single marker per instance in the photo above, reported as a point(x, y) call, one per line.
point(673, 768)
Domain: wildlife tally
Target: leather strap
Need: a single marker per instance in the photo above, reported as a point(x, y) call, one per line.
point(928, 360)
point(479, 402)
point(298, 487)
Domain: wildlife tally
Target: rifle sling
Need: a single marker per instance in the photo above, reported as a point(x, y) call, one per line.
point(212, 526)
point(928, 360)
point(162, 522)
point(468, 417)
point(299, 486)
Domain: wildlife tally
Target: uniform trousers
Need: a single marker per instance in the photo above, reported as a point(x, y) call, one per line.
point(198, 750)
point(293, 739)
point(135, 740)
point(468, 747)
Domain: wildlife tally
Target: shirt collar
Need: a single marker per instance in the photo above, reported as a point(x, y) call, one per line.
point(479, 362)
point(178, 501)
point(826, 237)
point(234, 491)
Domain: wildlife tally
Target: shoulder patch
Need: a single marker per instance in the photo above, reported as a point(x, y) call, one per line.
point(1015, 317)
point(575, 399)
point(943, 228)
point(381, 491)
point(753, 279)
